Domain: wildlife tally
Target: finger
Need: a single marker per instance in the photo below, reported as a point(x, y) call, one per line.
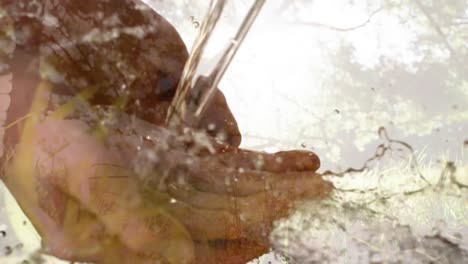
point(293, 160)
point(309, 188)
point(245, 217)
point(284, 161)
point(113, 251)
point(203, 200)
point(204, 225)
point(221, 180)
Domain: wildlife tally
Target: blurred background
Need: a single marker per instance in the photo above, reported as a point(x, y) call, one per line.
point(352, 80)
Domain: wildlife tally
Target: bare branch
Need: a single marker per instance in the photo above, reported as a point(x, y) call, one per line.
point(334, 28)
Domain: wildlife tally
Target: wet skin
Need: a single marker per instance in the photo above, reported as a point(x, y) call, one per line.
point(83, 192)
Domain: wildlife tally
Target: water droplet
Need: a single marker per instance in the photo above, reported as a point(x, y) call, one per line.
point(115, 34)
point(235, 42)
point(243, 217)
point(181, 180)
point(195, 23)
point(221, 137)
point(259, 162)
point(173, 201)
point(151, 155)
point(8, 250)
point(211, 127)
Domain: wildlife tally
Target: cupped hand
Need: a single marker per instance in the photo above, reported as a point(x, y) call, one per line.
point(146, 195)
point(189, 205)
point(242, 191)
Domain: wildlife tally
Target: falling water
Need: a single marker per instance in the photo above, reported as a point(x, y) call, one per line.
point(195, 92)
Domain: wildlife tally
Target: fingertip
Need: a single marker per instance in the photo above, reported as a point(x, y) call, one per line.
point(308, 161)
point(298, 160)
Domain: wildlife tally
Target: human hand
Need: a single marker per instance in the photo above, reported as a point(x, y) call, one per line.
point(92, 206)
point(91, 201)
point(238, 192)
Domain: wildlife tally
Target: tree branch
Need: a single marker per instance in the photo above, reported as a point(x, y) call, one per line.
point(334, 28)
